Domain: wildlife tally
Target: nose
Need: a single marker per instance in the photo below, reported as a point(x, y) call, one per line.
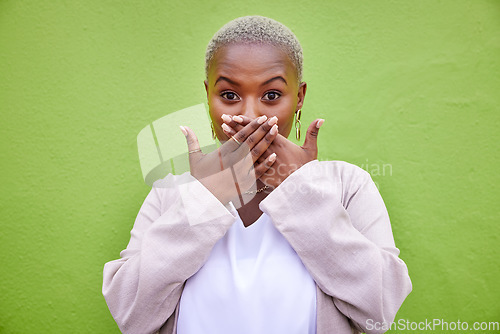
point(250, 109)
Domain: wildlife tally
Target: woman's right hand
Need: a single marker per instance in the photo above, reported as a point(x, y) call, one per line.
point(229, 171)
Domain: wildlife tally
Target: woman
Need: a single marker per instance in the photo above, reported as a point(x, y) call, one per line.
point(260, 237)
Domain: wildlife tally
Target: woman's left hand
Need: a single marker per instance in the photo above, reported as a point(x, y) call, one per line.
point(289, 156)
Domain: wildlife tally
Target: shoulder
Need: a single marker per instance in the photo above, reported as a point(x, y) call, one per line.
point(342, 171)
point(344, 167)
point(343, 178)
point(168, 190)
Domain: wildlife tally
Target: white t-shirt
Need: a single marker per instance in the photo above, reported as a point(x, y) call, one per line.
point(253, 282)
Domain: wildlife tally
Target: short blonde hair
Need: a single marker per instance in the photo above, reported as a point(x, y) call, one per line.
point(256, 29)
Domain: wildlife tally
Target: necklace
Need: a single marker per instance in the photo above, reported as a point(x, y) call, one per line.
point(251, 192)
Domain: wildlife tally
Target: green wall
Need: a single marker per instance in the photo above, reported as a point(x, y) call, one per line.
point(410, 91)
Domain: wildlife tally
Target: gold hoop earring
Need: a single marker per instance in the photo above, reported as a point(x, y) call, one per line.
point(213, 131)
point(298, 113)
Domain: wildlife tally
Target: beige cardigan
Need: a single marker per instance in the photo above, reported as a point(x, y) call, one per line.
point(330, 212)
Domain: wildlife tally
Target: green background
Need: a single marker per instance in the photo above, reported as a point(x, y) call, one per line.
point(411, 86)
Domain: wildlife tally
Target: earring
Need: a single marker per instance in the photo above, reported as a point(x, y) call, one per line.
point(213, 131)
point(297, 121)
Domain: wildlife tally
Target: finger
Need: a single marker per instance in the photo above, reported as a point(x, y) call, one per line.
point(311, 141)
point(264, 156)
point(260, 139)
point(238, 127)
point(241, 119)
point(241, 136)
point(236, 141)
point(278, 144)
point(192, 142)
point(261, 147)
point(228, 130)
point(234, 122)
point(263, 167)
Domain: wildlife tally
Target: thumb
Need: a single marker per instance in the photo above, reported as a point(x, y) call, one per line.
point(192, 141)
point(311, 141)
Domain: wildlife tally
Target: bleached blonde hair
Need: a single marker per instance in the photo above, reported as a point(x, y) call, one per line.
point(256, 29)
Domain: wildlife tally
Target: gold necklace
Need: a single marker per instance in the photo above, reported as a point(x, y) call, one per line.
point(251, 192)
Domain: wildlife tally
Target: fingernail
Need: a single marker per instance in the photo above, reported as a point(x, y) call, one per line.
point(226, 127)
point(261, 119)
point(237, 119)
point(273, 120)
point(183, 129)
point(319, 123)
point(274, 129)
point(226, 118)
point(272, 157)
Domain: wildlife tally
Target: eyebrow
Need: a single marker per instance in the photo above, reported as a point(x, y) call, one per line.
point(226, 79)
point(279, 77)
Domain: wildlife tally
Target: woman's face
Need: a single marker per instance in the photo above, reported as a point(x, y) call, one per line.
point(253, 80)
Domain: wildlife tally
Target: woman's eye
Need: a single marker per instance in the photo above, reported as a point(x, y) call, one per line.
point(229, 96)
point(271, 96)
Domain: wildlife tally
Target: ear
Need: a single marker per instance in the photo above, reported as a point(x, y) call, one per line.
point(301, 94)
point(206, 87)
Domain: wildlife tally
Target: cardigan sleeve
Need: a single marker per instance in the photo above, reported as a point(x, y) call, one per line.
point(176, 227)
point(335, 219)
